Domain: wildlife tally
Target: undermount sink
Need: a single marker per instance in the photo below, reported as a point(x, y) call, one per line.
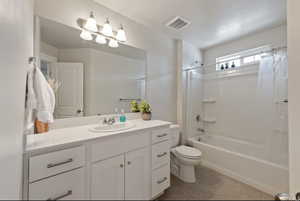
point(112, 128)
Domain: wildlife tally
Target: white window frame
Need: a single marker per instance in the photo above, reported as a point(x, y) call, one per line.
point(239, 58)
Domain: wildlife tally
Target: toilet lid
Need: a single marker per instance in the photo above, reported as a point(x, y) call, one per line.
point(188, 152)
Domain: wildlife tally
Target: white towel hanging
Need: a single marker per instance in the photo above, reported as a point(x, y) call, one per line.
point(45, 98)
point(40, 98)
point(30, 101)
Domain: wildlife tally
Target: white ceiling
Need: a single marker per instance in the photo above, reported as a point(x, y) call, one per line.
point(213, 21)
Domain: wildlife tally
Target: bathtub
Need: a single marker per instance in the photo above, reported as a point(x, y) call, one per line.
point(242, 162)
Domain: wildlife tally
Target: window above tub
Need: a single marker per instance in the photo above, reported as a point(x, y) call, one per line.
point(240, 59)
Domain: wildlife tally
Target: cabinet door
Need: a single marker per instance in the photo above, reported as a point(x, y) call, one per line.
point(108, 179)
point(137, 175)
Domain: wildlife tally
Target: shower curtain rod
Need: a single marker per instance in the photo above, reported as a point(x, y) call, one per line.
point(214, 64)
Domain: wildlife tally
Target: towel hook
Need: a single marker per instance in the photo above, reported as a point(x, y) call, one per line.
point(32, 60)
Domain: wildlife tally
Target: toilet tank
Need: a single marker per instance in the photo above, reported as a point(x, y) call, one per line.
point(175, 135)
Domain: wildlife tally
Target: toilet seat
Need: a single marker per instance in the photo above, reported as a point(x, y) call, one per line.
point(188, 152)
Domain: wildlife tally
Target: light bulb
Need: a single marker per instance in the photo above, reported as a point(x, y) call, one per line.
point(91, 24)
point(107, 29)
point(100, 39)
point(113, 43)
point(121, 35)
point(85, 35)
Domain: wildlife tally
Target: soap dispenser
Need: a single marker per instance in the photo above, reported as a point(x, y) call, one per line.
point(122, 116)
point(117, 114)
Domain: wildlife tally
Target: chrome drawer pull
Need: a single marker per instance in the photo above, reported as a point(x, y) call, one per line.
point(163, 135)
point(62, 196)
point(162, 181)
point(51, 165)
point(162, 155)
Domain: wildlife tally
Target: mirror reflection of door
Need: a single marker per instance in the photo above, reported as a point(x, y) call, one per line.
point(69, 96)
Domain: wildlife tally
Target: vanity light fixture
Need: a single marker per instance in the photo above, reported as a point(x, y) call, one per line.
point(91, 24)
point(91, 30)
point(121, 35)
point(107, 29)
point(100, 39)
point(85, 35)
point(113, 43)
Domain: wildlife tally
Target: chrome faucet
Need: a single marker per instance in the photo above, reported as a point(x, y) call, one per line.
point(109, 121)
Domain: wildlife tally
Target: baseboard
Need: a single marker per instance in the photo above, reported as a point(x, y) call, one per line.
point(262, 187)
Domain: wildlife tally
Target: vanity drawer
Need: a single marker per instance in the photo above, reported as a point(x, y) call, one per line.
point(67, 186)
point(118, 145)
point(160, 154)
point(160, 135)
point(160, 180)
point(46, 165)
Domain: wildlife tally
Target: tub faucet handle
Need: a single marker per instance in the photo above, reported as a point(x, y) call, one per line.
point(198, 118)
point(201, 130)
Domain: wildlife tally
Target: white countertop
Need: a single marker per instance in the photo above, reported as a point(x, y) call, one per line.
point(67, 136)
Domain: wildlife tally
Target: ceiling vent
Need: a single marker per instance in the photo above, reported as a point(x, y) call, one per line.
point(178, 23)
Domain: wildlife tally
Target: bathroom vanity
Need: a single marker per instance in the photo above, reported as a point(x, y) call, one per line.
point(79, 164)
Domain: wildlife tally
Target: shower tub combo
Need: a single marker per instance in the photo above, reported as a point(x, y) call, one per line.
point(243, 162)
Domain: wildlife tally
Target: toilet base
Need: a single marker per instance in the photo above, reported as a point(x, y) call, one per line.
point(187, 173)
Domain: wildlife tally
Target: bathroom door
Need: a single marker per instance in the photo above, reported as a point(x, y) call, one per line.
point(69, 95)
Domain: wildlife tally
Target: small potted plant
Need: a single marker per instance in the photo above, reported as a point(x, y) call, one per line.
point(146, 111)
point(134, 107)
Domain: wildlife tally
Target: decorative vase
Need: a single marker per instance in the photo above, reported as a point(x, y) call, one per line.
point(146, 116)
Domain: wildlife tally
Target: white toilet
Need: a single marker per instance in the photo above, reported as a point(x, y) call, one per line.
point(183, 158)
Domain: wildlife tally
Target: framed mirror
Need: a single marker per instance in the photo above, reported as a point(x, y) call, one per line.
point(88, 78)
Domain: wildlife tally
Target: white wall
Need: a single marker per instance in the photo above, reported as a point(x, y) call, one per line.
point(161, 50)
point(294, 95)
point(107, 77)
point(16, 19)
point(48, 50)
point(276, 37)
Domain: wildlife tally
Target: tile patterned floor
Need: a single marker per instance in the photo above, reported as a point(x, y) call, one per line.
point(211, 185)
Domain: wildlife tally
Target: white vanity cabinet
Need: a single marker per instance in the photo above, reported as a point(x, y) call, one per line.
point(67, 186)
point(125, 177)
point(160, 161)
point(107, 179)
point(138, 175)
point(57, 175)
point(132, 165)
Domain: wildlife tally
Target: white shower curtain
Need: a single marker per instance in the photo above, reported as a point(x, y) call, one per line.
point(272, 87)
point(281, 91)
point(272, 99)
point(265, 95)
